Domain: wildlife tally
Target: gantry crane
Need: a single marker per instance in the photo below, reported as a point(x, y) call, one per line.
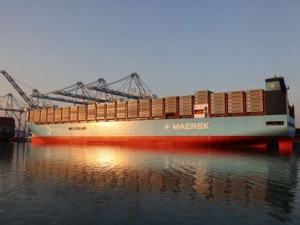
point(129, 84)
point(16, 109)
point(131, 87)
point(40, 96)
point(28, 100)
point(18, 89)
point(79, 91)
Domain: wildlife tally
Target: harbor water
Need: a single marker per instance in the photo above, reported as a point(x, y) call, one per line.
point(147, 185)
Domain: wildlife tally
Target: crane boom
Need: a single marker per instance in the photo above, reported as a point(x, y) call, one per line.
point(18, 89)
point(89, 98)
point(127, 84)
point(113, 92)
point(39, 95)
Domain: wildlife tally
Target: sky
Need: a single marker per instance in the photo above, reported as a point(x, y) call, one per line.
point(176, 46)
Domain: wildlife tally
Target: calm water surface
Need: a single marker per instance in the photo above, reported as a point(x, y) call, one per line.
point(125, 185)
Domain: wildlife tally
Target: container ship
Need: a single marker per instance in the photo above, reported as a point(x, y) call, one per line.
point(250, 117)
point(7, 129)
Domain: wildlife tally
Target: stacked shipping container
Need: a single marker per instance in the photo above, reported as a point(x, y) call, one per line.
point(236, 102)
point(74, 113)
point(100, 111)
point(255, 101)
point(43, 116)
point(50, 115)
point(218, 103)
point(82, 113)
point(145, 111)
point(121, 110)
point(57, 115)
point(204, 104)
point(91, 112)
point(132, 109)
point(186, 106)
point(202, 97)
point(66, 114)
point(171, 107)
point(157, 108)
point(111, 110)
point(201, 109)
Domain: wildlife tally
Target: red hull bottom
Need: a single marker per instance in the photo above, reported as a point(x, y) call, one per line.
point(284, 142)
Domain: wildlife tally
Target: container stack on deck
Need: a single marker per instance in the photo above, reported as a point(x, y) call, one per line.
point(202, 104)
point(74, 113)
point(111, 110)
point(132, 109)
point(171, 107)
point(145, 107)
point(82, 113)
point(236, 102)
point(121, 110)
point(100, 111)
point(255, 101)
point(157, 108)
point(66, 114)
point(43, 116)
point(50, 115)
point(218, 104)
point(201, 109)
point(57, 115)
point(186, 106)
point(91, 112)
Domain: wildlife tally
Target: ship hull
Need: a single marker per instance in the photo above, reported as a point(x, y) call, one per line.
point(250, 130)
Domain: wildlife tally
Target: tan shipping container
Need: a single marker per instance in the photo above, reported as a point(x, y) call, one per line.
point(111, 110)
point(121, 110)
point(100, 112)
point(144, 111)
point(202, 97)
point(91, 112)
point(43, 116)
point(132, 109)
point(74, 114)
point(57, 115)
point(171, 105)
point(31, 116)
point(255, 100)
point(66, 114)
point(157, 107)
point(186, 105)
point(236, 102)
point(82, 112)
point(36, 116)
point(50, 115)
point(218, 103)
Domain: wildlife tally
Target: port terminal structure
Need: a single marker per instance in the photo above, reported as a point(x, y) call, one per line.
point(99, 91)
point(14, 108)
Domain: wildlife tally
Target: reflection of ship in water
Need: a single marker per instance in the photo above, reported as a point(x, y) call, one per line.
point(250, 179)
